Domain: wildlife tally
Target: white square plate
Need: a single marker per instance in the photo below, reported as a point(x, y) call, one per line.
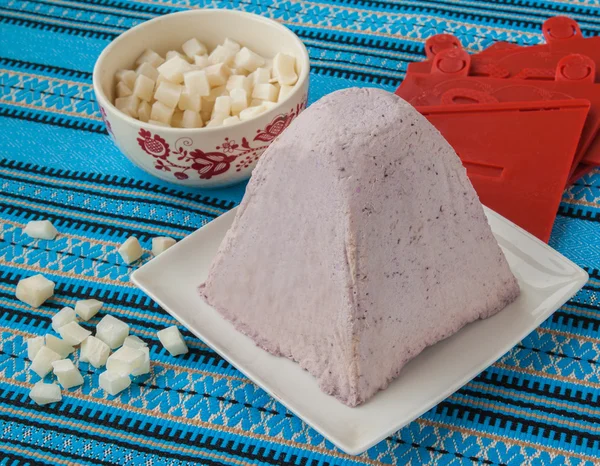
point(547, 281)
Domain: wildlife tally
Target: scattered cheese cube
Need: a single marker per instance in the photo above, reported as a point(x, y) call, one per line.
point(73, 333)
point(172, 340)
point(60, 347)
point(144, 367)
point(127, 77)
point(67, 374)
point(162, 114)
point(161, 243)
point(174, 69)
point(114, 382)
point(151, 57)
point(143, 88)
point(251, 112)
point(260, 76)
point(231, 44)
point(239, 100)
point(33, 346)
point(217, 75)
point(87, 308)
point(131, 250)
point(284, 69)
point(265, 92)
point(196, 82)
point(112, 331)
point(168, 93)
point(147, 70)
point(222, 106)
point(125, 360)
point(63, 317)
point(134, 342)
point(34, 290)
point(285, 92)
point(221, 54)
point(201, 61)
point(128, 105)
point(123, 90)
point(191, 119)
point(40, 229)
point(45, 393)
point(144, 111)
point(248, 60)
point(188, 101)
point(94, 351)
point(193, 47)
point(42, 363)
point(231, 120)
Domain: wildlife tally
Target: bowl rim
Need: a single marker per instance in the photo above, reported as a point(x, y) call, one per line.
point(103, 100)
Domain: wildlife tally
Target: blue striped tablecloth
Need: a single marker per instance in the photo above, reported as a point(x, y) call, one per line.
point(538, 405)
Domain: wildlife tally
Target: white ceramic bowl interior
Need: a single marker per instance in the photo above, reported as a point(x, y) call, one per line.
point(215, 156)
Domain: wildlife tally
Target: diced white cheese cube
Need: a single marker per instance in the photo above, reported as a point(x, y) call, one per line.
point(33, 346)
point(144, 111)
point(67, 374)
point(73, 333)
point(251, 112)
point(239, 82)
point(188, 101)
point(42, 363)
point(201, 61)
point(87, 308)
point(151, 57)
point(125, 360)
point(231, 120)
point(147, 70)
point(248, 60)
point(231, 44)
point(134, 342)
point(284, 69)
point(112, 331)
point(177, 119)
point(45, 393)
point(144, 367)
point(127, 77)
point(221, 54)
point(239, 71)
point(161, 243)
point(172, 340)
point(63, 317)
point(34, 290)
point(114, 382)
point(256, 103)
point(60, 347)
point(216, 120)
point(196, 82)
point(217, 75)
point(285, 92)
point(239, 100)
point(143, 88)
point(269, 105)
point(158, 113)
point(158, 123)
point(220, 91)
point(94, 351)
point(260, 76)
point(169, 94)
point(131, 250)
point(222, 106)
point(174, 53)
point(193, 47)
point(40, 229)
point(128, 105)
point(123, 90)
point(174, 69)
point(191, 119)
point(265, 92)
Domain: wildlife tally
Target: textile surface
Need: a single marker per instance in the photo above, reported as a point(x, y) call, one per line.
point(538, 405)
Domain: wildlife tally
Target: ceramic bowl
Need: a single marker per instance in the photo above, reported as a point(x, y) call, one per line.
point(201, 157)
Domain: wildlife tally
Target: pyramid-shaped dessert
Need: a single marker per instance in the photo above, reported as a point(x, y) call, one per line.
point(360, 241)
